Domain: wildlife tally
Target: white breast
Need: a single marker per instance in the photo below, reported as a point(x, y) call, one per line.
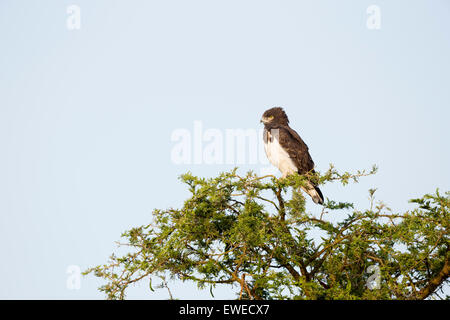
point(278, 156)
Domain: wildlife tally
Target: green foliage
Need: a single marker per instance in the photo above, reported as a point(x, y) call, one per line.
point(255, 234)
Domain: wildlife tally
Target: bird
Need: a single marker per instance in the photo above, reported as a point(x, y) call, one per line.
point(286, 150)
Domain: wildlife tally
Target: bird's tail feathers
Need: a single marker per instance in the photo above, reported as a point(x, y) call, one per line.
point(315, 193)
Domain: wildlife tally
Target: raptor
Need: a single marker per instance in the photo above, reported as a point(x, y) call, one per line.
point(286, 150)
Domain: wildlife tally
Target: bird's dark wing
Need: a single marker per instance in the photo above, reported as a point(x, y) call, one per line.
point(296, 149)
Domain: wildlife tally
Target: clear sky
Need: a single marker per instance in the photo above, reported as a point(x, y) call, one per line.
point(87, 115)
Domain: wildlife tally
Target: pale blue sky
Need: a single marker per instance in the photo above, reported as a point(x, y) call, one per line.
point(86, 116)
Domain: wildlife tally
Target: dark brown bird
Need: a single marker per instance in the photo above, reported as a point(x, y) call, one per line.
point(286, 150)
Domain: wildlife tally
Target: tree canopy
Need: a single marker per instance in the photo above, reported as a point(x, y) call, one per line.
point(256, 235)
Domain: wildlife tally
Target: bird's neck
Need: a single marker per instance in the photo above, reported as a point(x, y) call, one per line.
point(271, 126)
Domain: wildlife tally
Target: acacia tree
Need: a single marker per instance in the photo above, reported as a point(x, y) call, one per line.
point(255, 234)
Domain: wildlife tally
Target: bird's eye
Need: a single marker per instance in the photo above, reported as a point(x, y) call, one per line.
point(270, 117)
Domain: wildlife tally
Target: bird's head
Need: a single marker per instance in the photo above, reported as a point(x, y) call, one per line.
point(274, 116)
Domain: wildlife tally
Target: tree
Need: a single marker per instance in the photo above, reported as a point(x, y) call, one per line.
point(255, 234)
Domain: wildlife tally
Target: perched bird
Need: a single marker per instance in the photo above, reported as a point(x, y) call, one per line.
point(286, 150)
